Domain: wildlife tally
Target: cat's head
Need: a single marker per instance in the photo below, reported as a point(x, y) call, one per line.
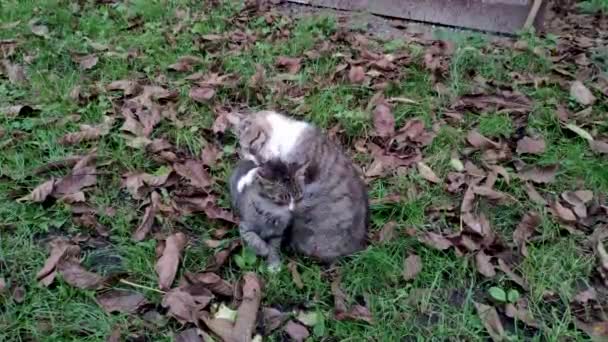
point(277, 183)
point(253, 131)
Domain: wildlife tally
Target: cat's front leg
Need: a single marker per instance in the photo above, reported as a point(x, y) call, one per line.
point(253, 240)
point(274, 258)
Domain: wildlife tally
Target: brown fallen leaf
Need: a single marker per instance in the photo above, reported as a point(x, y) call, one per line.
point(2, 285)
point(412, 266)
point(86, 62)
point(194, 171)
point(187, 302)
point(435, 240)
point(521, 313)
point(525, 229)
point(74, 274)
point(586, 295)
point(18, 294)
point(60, 248)
point(534, 195)
point(185, 63)
point(492, 194)
point(38, 29)
point(599, 146)
point(356, 74)
point(243, 328)
point(213, 282)
point(341, 309)
point(427, 173)
point(506, 101)
point(210, 155)
point(273, 318)
point(479, 141)
point(295, 275)
point(491, 321)
point(221, 122)
point(539, 174)
point(139, 184)
point(206, 204)
point(166, 265)
point(291, 64)
point(506, 269)
point(121, 301)
point(384, 121)
point(582, 94)
point(387, 233)
point(189, 335)
point(148, 219)
point(15, 72)
point(202, 94)
point(83, 175)
point(562, 212)
point(578, 200)
point(88, 132)
point(484, 264)
point(129, 87)
point(530, 145)
point(297, 332)
point(40, 193)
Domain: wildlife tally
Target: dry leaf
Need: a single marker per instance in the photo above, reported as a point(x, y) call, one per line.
point(489, 193)
point(435, 240)
point(40, 193)
point(221, 257)
point(387, 233)
point(74, 274)
point(60, 248)
point(484, 264)
point(243, 328)
point(581, 132)
point(297, 332)
point(491, 321)
point(15, 72)
point(166, 266)
point(598, 331)
point(581, 93)
point(121, 301)
point(194, 171)
point(38, 29)
point(189, 335)
point(412, 266)
point(185, 63)
point(356, 74)
point(427, 173)
point(563, 213)
point(87, 62)
point(88, 133)
point(148, 219)
point(530, 145)
point(599, 146)
point(202, 94)
point(187, 302)
point(213, 282)
point(384, 121)
point(539, 174)
point(127, 86)
point(291, 64)
point(295, 275)
point(478, 141)
point(525, 229)
point(534, 195)
point(273, 318)
point(210, 155)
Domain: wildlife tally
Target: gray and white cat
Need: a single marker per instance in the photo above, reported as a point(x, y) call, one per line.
point(263, 197)
point(331, 211)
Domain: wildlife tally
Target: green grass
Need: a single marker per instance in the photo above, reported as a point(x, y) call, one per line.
point(437, 305)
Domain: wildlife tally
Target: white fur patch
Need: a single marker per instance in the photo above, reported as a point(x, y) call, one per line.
point(285, 135)
point(292, 205)
point(246, 180)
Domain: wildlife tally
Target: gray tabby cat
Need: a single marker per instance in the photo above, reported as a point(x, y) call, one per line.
point(262, 197)
point(331, 211)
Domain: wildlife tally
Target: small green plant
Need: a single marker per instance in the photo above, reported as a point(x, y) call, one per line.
point(502, 296)
point(246, 260)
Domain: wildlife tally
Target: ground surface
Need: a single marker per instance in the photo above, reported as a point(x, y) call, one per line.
point(486, 165)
